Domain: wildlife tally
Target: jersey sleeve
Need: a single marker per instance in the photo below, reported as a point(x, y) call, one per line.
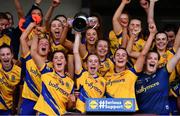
point(135, 71)
point(79, 73)
point(27, 57)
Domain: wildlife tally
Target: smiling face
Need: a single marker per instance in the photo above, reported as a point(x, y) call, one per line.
point(124, 19)
point(161, 41)
point(56, 29)
point(92, 64)
point(151, 62)
point(102, 48)
point(91, 36)
point(59, 61)
point(43, 47)
point(120, 58)
point(6, 57)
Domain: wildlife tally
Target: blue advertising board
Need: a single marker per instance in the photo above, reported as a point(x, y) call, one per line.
point(110, 105)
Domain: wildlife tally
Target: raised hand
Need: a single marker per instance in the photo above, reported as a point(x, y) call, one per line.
point(153, 0)
point(38, 2)
point(56, 3)
point(135, 32)
point(144, 4)
point(152, 28)
point(126, 1)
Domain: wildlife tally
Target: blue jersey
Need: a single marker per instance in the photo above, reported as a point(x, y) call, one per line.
point(152, 92)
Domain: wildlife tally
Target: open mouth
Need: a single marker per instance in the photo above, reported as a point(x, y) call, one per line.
point(57, 33)
point(124, 21)
point(6, 61)
point(102, 51)
point(43, 49)
point(161, 45)
point(120, 61)
point(93, 68)
point(59, 64)
point(91, 39)
point(152, 65)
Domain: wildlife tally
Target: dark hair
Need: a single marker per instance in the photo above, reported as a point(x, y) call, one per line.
point(105, 41)
point(36, 8)
point(137, 18)
point(51, 24)
point(90, 28)
point(159, 33)
point(3, 16)
point(170, 27)
point(61, 15)
point(57, 51)
point(154, 51)
point(90, 54)
point(6, 46)
point(121, 49)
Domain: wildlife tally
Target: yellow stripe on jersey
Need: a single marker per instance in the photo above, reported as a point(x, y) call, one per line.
point(89, 87)
point(8, 81)
point(5, 40)
point(55, 92)
point(121, 85)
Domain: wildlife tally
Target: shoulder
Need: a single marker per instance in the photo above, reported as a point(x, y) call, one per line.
point(109, 75)
point(46, 69)
point(16, 67)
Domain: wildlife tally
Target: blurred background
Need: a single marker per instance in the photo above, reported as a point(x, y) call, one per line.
point(166, 11)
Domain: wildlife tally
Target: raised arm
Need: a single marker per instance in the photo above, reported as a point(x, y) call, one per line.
point(77, 58)
point(37, 2)
point(49, 13)
point(177, 41)
point(24, 39)
point(19, 9)
point(173, 61)
point(141, 59)
point(125, 37)
point(116, 18)
point(145, 5)
point(34, 53)
point(130, 44)
point(151, 11)
point(64, 33)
